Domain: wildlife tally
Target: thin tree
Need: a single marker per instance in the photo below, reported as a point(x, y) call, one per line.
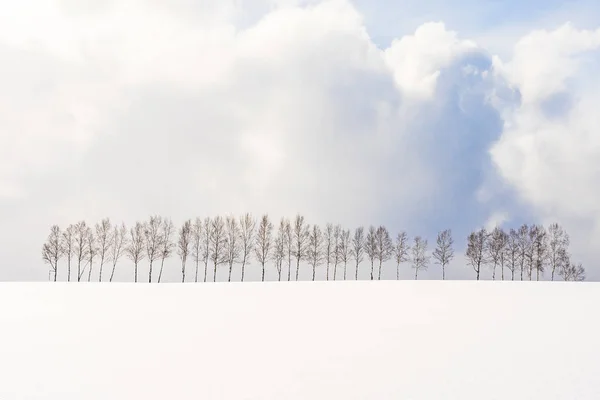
point(166, 244)
point(68, 247)
point(512, 252)
point(315, 252)
point(289, 246)
point(530, 254)
point(401, 249)
point(475, 253)
point(206, 235)
point(444, 252)
point(247, 228)
point(420, 259)
point(92, 251)
point(152, 241)
point(184, 242)
point(196, 236)
point(571, 271)
point(52, 250)
point(337, 233)
point(358, 247)
point(218, 244)
point(279, 248)
point(344, 249)
point(301, 234)
point(558, 240)
point(264, 238)
point(104, 236)
point(524, 245)
point(118, 246)
point(136, 246)
point(371, 247)
point(328, 247)
point(233, 243)
point(80, 246)
point(384, 247)
point(540, 246)
point(494, 248)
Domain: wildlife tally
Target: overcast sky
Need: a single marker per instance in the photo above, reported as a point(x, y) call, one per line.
point(421, 115)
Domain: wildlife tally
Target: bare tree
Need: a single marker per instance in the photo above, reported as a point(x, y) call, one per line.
point(136, 246)
point(358, 247)
point(420, 259)
point(206, 235)
point(80, 246)
point(524, 245)
point(183, 246)
point(104, 236)
point(475, 253)
point(315, 253)
point(344, 249)
point(92, 251)
point(289, 246)
point(558, 240)
point(118, 246)
point(337, 233)
point(233, 243)
point(371, 247)
point(384, 247)
point(328, 247)
point(52, 250)
point(494, 248)
point(530, 254)
point(152, 241)
point(247, 227)
point(401, 249)
point(444, 252)
point(300, 241)
point(196, 236)
point(218, 244)
point(512, 252)
point(571, 271)
point(264, 241)
point(279, 248)
point(68, 247)
point(540, 247)
point(166, 244)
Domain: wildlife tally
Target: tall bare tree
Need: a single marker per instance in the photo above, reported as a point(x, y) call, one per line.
point(358, 247)
point(279, 248)
point(420, 259)
point(401, 249)
point(104, 237)
point(289, 246)
point(247, 228)
point(233, 243)
point(371, 247)
point(300, 241)
point(524, 246)
point(196, 236)
point(384, 247)
point(558, 240)
point(136, 246)
point(264, 240)
point(118, 246)
point(530, 255)
point(512, 252)
point(218, 244)
point(444, 252)
point(52, 250)
point(166, 243)
point(337, 234)
point(569, 270)
point(80, 246)
point(184, 242)
point(206, 237)
point(328, 247)
point(315, 253)
point(344, 249)
point(68, 247)
point(494, 247)
point(152, 241)
point(476, 254)
point(540, 247)
point(92, 251)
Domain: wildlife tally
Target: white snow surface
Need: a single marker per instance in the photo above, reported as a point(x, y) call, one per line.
point(324, 340)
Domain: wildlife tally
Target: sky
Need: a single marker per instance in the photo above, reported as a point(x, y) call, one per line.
point(419, 115)
point(354, 340)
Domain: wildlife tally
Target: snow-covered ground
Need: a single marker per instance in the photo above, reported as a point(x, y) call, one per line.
point(325, 340)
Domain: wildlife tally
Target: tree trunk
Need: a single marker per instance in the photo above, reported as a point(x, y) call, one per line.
point(478, 269)
point(112, 274)
point(357, 270)
point(183, 271)
point(397, 271)
point(416, 273)
point(215, 272)
point(243, 268)
point(494, 272)
point(135, 278)
point(263, 272)
point(150, 273)
point(372, 266)
point(552, 275)
point(205, 269)
point(55, 270)
point(289, 268)
point(196, 277)
point(345, 265)
point(162, 263)
point(512, 274)
point(314, 272)
point(379, 275)
point(69, 269)
point(443, 272)
point(279, 272)
point(297, 268)
point(334, 272)
point(327, 275)
point(79, 271)
point(230, 269)
point(101, 266)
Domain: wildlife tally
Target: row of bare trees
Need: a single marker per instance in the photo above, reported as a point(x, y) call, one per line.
point(227, 241)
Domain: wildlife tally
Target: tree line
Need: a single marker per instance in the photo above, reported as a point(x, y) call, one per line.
point(222, 242)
